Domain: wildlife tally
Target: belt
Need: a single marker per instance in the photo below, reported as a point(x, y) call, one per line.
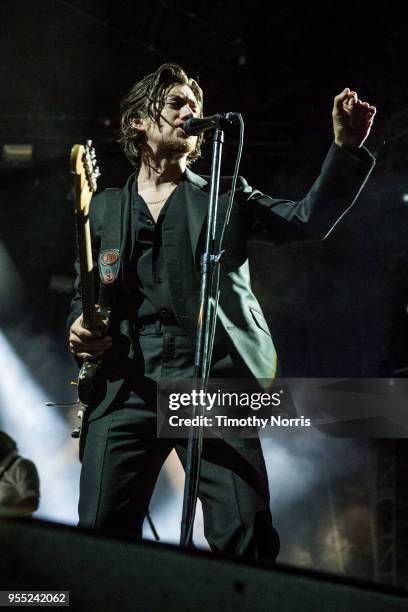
point(164, 317)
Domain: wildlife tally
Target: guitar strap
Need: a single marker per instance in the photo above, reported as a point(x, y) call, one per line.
point(109, 260)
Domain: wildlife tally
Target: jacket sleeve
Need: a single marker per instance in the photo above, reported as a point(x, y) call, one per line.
point(96, 213)
point(342, 177)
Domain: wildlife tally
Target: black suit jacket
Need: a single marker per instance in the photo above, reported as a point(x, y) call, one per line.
point(341, 179)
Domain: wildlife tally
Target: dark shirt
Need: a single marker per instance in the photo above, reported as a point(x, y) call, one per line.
point(152, 280)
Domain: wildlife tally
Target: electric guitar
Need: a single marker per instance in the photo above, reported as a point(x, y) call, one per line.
point(86, 172)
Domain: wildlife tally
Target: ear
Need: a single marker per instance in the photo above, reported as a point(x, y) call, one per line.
point(139, 124)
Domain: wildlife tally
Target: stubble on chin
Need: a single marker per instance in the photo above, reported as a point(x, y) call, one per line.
point(182, 146)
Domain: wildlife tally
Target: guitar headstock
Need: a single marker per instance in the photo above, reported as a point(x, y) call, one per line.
point(85, 167)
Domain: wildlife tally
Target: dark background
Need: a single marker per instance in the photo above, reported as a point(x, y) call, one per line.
point(336, 308)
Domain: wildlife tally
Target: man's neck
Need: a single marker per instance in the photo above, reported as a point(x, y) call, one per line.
point(155, 174)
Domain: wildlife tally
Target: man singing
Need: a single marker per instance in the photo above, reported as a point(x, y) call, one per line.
point(162, 212)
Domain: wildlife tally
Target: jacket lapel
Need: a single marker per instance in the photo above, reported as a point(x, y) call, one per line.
point(196, 194)
point(128, 228)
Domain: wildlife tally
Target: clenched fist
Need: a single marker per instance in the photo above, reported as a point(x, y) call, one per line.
point(352, 119)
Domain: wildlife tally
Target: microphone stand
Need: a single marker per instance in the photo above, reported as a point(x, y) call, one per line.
point(209, 264)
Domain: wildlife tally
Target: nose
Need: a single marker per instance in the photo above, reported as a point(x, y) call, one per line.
point(186, 112)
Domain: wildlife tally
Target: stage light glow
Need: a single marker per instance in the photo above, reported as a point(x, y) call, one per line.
point(17, 153)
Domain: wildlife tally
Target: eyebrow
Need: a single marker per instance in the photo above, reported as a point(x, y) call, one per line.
point(182, 98)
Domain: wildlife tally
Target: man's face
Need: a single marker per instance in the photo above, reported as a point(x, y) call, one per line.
point(167, 136)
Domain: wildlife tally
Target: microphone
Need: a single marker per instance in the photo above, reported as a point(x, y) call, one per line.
point(195, 126)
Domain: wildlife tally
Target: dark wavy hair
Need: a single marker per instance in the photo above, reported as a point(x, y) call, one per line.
point(146, 99)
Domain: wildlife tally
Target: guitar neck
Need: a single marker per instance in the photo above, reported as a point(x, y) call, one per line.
point(86, 266)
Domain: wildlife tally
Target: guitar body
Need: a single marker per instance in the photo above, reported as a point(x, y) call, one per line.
point(91, 390)
point(91, 385)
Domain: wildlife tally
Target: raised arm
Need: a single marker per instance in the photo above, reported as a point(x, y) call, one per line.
point(343, 175)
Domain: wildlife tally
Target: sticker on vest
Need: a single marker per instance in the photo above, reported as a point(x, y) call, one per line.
point(109, 262)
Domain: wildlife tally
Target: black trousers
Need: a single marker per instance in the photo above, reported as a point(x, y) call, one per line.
point(123, 457)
